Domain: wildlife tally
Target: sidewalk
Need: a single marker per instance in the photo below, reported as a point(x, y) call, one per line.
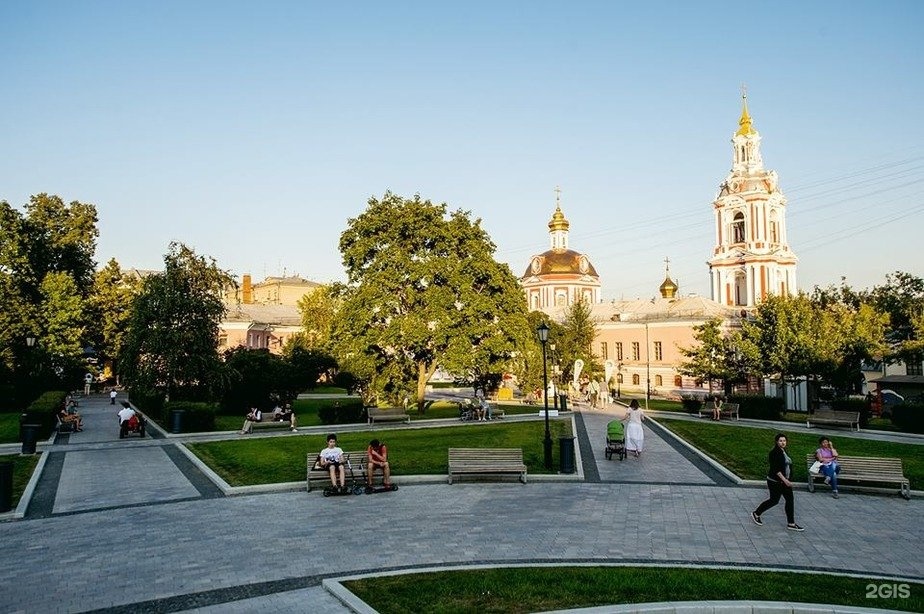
point(131, 513)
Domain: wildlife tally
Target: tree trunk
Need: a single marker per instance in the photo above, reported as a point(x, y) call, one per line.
point(424, 372)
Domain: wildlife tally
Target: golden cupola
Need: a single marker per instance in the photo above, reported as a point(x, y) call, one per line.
point(558, 221)
point(668, 287)
point(745, 125)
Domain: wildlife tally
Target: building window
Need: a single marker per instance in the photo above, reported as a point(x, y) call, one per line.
point(619, 350)
point(738, 228)
point(222, 340)
point(635, 352)
point(659, 381)
point(619, 378)
point(603, 352)
point(678, 381)
point(914, 366)
point(635, 380)
point(698, 383)
point(658, 355)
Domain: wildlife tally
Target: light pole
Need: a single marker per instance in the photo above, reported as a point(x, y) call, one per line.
point(543, 332)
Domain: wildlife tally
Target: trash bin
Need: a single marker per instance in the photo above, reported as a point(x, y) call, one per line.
point(176, 420)
point(563, 402)
point(28, 433)
point(566, 454)
point(6, 487)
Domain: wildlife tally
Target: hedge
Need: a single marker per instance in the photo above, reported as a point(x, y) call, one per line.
point(341, 411)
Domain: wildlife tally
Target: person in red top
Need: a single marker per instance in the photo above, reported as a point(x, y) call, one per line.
point(378, 458)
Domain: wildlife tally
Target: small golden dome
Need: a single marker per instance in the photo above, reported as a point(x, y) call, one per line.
point(668, 288)
point(558, 221)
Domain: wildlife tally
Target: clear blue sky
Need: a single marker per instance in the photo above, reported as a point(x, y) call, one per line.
point(252, 131)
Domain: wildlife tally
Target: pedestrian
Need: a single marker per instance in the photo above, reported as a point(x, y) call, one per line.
point(112, 396)
point(635, 434)
point(779, 485)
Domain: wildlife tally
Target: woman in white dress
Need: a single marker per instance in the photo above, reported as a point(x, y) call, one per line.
point(635, 435)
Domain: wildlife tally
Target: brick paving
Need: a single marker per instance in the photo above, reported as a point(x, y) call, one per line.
point(165, 545)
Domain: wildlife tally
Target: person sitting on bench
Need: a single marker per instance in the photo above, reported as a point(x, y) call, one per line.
point(71, 418)
point(378, 459)
point(331, 458)
point(255, 415)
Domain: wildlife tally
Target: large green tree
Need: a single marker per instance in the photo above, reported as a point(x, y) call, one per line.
point(39, 246)
point(423, 290)
point(110, 308)
point(319, 311)
point(172, 342)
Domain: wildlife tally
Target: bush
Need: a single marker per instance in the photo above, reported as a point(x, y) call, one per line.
point(758, 406)
point(909, 417)
point(43, 411)
point(198, 417)
point(341, 411)
point(150, 402)
point(691, 404)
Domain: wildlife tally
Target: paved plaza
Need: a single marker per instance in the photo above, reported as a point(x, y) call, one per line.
point(133, 525)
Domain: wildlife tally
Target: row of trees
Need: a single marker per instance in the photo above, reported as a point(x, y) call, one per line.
point(423, 290)
point(824, 336)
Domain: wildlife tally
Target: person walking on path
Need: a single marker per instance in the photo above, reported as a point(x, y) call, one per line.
point(635, 434)
point(779, 485)
point(112, 396)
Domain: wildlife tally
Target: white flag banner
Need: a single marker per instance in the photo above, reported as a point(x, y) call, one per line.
point(578, 367)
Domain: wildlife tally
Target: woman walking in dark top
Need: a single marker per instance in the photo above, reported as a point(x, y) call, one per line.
point(779, 485)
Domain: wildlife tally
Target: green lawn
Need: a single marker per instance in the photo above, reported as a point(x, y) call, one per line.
point(743, 450)
point(411, 452)
point(541, 589)
point(9, 427)
point(23, 466)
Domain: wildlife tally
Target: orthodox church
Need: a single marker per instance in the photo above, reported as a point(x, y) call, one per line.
point(639, 341)
point(559, 277)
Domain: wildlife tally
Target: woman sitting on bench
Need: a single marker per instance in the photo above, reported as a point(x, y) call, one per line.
point(378, 458)
point(71, 418)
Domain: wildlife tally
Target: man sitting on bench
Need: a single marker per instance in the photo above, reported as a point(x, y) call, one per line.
point(331, 458)
point(378, 459)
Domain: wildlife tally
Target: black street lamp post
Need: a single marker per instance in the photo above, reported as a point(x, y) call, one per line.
point(543, 332)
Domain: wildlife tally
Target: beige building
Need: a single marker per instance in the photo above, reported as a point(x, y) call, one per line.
point(271, 291)
point(258, 326)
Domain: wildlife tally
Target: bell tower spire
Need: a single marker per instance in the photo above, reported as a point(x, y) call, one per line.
point(751, 258)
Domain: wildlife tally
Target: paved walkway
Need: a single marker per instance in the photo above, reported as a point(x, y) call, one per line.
point(132, 526)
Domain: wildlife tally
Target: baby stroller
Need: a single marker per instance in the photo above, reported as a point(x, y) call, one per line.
point(615, 440)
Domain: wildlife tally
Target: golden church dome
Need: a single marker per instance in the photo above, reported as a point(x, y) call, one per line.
point(668, 288)
point(560, 262)
point(558, 221)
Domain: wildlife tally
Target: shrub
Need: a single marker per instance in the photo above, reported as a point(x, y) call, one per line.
point(42, 411)
point(691, 404)
point(909, 417)
point(198, 417)
point(341, 411)
point(150, 402)
point(758, 406)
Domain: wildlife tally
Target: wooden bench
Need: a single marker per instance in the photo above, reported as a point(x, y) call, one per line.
point(388, 414)
point(729, 410)
point(316, 474)
point(486, 461)
point(269, 423)
point(837, 418)
point(866, 470)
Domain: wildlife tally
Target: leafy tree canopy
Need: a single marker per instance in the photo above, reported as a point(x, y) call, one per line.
point(423, 289)
point(172, 343)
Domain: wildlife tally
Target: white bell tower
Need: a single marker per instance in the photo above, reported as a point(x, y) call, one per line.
point(751, 258)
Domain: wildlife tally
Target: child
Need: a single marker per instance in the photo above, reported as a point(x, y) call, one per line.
point(331, 458)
